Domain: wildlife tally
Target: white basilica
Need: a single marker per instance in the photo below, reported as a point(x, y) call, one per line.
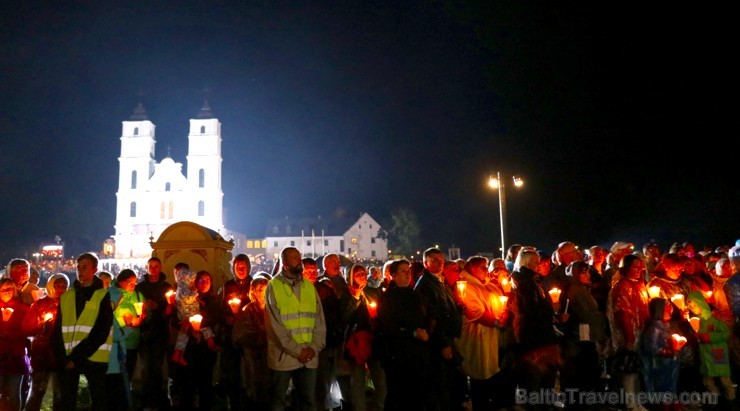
point(151, 196)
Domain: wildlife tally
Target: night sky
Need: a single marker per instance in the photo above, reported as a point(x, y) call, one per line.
point(616, 116)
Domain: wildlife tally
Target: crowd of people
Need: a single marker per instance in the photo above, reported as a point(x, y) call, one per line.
point(535, 330)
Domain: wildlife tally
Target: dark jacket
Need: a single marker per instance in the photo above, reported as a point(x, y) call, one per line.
point(154, 327)
point(532, 311)
point(400, 313)
point(445, 320)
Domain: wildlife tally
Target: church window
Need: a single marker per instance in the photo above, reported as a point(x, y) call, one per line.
point(133, 179)
point(136, 131)
point(250, 244)
point(201, 178)
point(133, 209)
point(167, 186)
point(292, 243)
point(172, 208)
point(202, 129)
point(264, 244)
point(161, 211)
point(201, 208)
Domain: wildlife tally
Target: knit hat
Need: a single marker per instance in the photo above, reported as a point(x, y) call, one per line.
point(621, 245)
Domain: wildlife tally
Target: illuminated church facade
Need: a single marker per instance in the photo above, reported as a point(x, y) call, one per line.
point(153, 195)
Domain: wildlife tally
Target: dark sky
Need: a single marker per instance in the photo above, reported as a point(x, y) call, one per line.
point(617, 116)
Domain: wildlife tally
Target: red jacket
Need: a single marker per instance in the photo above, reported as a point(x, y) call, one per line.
point(13, 355)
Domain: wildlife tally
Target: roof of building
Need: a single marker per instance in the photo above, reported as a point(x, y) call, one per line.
point(296, 227)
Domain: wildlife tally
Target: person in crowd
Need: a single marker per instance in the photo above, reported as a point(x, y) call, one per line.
point(596, 267)
point(106, 277)
point(14, 361)
point(669, 278)
point(714, 363)
point(659, 358)
point(533, 316)
point(498, 273)
point(627, 311)
point(296, 332)
point(376, 286)
point(567, 252)
point(39, 323)
point(250, 335)
point(484, 314)
point(237, 287)
point(83, 335)
point(116, 377)
point(678, 249)
point(545, 266)
point(30, 291)
point(359, 334)
point(310, 270)
point(511, 254)
point(186, 299)
point(154, 331)
point(201, 348)
point(19, 270)
point(330, 286)
point(613, 260)
point(723, 310)
point(401, 340)
point(443, 311)
point(652, 255)
point(130, 317)
point(695, 275)
point(585, 332)
point(417, 269)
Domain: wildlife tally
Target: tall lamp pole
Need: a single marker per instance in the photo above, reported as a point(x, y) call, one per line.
point(498, 184)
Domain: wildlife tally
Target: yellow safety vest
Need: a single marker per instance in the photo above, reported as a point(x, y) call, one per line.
point(76, 329)
point(298, 317)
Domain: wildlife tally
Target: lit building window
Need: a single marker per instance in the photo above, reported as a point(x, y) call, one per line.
point(172, 209)
point(354, 240)
point(249, 244)
point(264, 243)
point(161, 211)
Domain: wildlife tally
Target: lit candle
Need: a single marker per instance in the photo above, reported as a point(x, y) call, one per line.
point(170, 297)
point(235, 303)
point(461, 284)
point(372, 309)
point(555, 295)
point(503, 299)
point(678, 300)
point(506, 285)
point(139, 307)
point(677, 341)
point(708, 294)
point(195, 321)
point(654, 291)
point(7, 312)
point(694, 321)
point(48, 317)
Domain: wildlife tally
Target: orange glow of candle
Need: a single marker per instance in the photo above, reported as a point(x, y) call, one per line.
point(195, 321)
point(235, 303)
point(503, 299)
point(677, 341)
point(461, 284)
point(506, 285)
point(48, 316)
point(654, 291)
point(7, 312)
point(139, 307)
point(694, 321)
point(678, 300)
point(555, 294)
point(372, 309)
point(170, 295)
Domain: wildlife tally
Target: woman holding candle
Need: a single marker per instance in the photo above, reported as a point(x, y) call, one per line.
point(39, 323)
point(14, 363)
point(129, 313)
point(660, 365)
point(250, 335)
point(201, 348)
point(484, 315)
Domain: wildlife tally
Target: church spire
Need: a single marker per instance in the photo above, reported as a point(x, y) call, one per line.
point(205, 111)
point(139, 113)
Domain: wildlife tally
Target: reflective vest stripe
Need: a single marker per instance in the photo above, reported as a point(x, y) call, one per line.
point(75, 329)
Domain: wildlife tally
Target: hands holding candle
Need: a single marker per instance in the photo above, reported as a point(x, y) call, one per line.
point(170, 295)
point(694, 321)
point(654, 292)
point(677, 342)
point(372, 309)
point(461, 284)
point(235, 303)
point(555, 295)
point(195, 322)
point(678, 300)
point(7, 312)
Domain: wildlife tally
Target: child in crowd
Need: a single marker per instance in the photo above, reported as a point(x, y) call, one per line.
point(659, 360)
point(187, 303)
point(714, 355)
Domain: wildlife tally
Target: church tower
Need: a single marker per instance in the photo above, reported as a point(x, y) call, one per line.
point(136, 166)
point(204, 169)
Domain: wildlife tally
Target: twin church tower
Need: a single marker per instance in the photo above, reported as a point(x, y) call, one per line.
point(151, 196)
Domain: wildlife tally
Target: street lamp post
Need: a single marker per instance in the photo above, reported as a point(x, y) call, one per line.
point(498, 184)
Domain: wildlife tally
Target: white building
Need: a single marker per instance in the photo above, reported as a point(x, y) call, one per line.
point(360, 239)
point(151, 196)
